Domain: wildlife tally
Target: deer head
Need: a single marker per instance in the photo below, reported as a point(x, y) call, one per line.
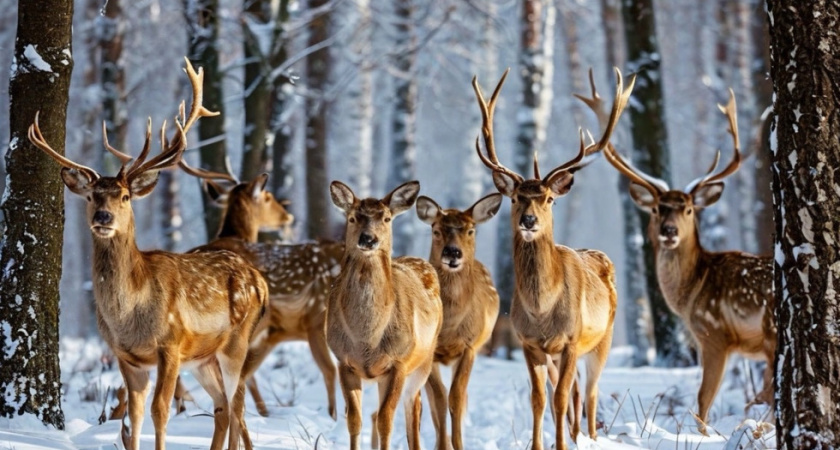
point(453, 231)
point(673, 212)
point(531, 199)
point(369, 220)
point(109, 210)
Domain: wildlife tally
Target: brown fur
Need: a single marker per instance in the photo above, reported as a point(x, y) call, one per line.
point(384, 315)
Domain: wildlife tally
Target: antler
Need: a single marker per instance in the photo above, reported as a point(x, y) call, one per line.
point(38, 140)
point(206, 174)
point(487, 110)
point(732, 117)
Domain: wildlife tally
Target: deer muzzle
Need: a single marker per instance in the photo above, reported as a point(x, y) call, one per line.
point(451, 258)
point(368, 242)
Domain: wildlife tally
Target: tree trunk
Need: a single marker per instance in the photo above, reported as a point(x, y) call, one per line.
point(30, 254)
point(404, 121)
point(257, 88)
point(647, 124)
point(317, 76)
point(763, 157)
point(110, 30)
point(202, 19)
point(361, 99)
point(805, 67)
point(282, 171)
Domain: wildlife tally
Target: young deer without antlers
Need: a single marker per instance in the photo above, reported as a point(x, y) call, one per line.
point(299, 275)
point(384, 315)
point(160, 309)
point(564, 300)
point(470, 302)
point(724, 298)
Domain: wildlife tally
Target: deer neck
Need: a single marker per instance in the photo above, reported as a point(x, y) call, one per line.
point(680, 271)
point(454, 284)
point(368, 280)
point(119, 271)
point(238, 224)
point(538, 270)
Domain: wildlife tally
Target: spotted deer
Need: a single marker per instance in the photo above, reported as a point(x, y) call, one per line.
point(384, 315)
point(564, 300)
point(470, 302)
point(299, 275)
point(724, 298)
point(162, 310)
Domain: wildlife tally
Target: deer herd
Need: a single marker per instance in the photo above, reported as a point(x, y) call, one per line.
point(219, 309)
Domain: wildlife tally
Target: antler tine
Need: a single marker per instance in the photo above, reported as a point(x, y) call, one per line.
point(487, 110)
point(37, 139)
point(197, 108)
point(124, 158)
point(536, 165)
point(730, 110)
point(654, 185)
point(206, 174)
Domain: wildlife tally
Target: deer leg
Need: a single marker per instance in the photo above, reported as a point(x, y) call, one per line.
point(436, 391)
point(393, 383)
point(714, 365)
point(182, 396)
point(351, 387)
point(573, 413)
point(413, 406)
point(595, 362)
point(321, 354)
point(167, 377)
point(458, 395)
point(256, 355)
point(137, 384)
point(374, 437)
point(536, 361)
point(231, 362)
point(118, 412)
point(553, 378)
point(567, 368)
point(209, 376)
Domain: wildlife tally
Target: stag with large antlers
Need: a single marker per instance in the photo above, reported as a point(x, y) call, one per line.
point(384, 315)
point(564, 300)
point(470, 302)
point(163, 310)
point(724, 298)
point(299, 275)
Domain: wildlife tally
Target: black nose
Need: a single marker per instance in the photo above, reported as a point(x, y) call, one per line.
point(367, 240)
point(452, 252)
point(528, 221)
point(103, 217)
point(668, 230)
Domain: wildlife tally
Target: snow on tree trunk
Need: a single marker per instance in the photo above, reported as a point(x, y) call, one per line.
point(805, 67)
point(360, 98)
point(33, 204)
point(404, 120)
point(317, 81)
point(202, 21)
point(257, 43)
point(650, 155)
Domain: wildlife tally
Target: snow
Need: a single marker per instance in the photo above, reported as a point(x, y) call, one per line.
point(35, 59)
point(646, 407)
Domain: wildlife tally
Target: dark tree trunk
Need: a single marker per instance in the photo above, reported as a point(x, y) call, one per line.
point(202, 19)
point(647, 124)
point(109, 32)
point(763, 88)
point(281, 167)
point(30, 253)
point(257, 90)
point(317, 76)
point(404, 122)
point(805, 67)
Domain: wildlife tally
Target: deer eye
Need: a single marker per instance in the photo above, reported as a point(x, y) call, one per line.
point(126, 198)
point(88, 198)
point(351, 219)
point(688, 211)
point(387, 219)
point(549, 200)
point(471, 232)
point(653, 210)
point(436, 233)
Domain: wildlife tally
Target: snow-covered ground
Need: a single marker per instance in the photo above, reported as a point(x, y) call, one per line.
point(639, 408)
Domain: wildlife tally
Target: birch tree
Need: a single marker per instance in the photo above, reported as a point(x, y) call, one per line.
point(33, 204)
point(804, 55)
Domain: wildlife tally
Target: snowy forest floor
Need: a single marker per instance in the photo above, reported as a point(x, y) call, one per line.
point(646, 407)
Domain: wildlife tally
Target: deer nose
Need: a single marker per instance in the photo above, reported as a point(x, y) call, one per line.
point(528, 221)
point(103, 217)
point(668, 230)
point(452, 252)
point(367, 241)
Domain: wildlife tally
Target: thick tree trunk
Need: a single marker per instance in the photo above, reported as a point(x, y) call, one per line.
point(202, 19)
point(805, 67)
point(763, 157)
point(257, 88)
point(317, 76)
point(30, 378)
point(282, 171)
point(647, 123)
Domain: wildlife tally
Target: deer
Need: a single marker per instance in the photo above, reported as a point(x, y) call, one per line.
point(299, 275)
point(384, 315)
point(724, 298)
point(564, 300)
point(164, 310)
point(470, 302)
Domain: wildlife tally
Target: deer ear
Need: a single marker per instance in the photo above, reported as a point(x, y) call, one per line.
point(76, 181)
point(217, 192)
point(257, 186)
point(642, 197)
point(561, 183)
point(427, 210)
point(143, 184)
point(402, 198)
point(342, 196)
point(707, 195)
point(504, 183)
point(486, 208)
